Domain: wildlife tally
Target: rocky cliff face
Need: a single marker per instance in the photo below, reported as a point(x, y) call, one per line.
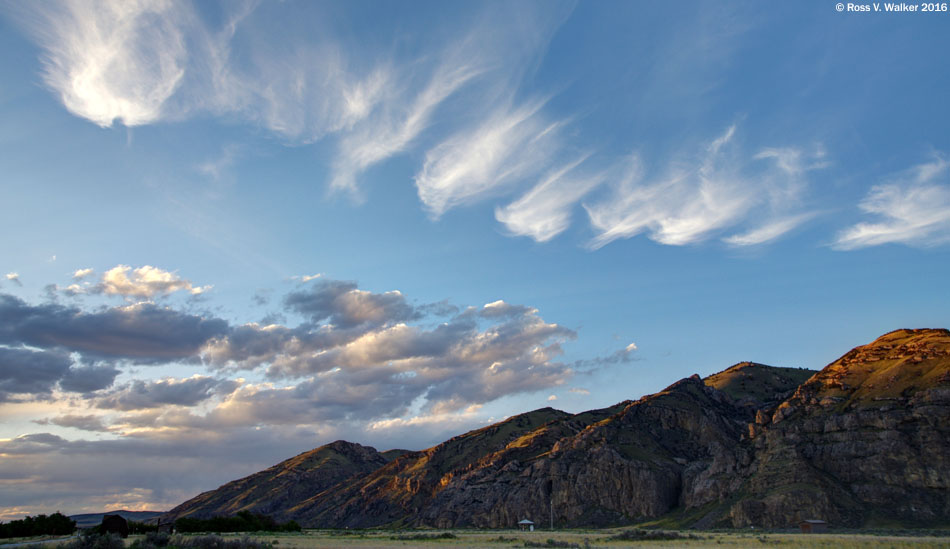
point(655, 454)
point(866, 440)
point(863, 441)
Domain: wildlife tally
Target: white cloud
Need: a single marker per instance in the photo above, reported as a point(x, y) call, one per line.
point(512, 144)
point(579, 391)
point(545, 211)
point(82, 273)
point(144, 282)
point(915, 210)
point(695, 199)
point(113, 59)
point(390, 133)
point(15, 278)
point(218, 169)
point(770, 231)
point(552, 398)
point(307, 278)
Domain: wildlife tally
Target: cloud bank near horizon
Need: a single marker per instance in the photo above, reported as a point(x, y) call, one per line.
point(357, 364)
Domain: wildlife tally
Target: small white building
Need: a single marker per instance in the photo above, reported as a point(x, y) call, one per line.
point(526, 525)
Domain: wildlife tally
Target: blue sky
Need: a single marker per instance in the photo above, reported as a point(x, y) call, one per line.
point(236, 231)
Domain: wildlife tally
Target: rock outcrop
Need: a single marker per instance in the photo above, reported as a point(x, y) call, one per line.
point(865, 441)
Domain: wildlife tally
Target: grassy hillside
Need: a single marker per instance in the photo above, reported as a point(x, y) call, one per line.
point(758, 382)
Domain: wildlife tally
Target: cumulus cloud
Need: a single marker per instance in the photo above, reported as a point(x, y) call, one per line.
point(357, 355)
point(345, 306)
point(35, 374)
point(15, 278)
point(25, 371)
point(87, 379)
point(913, 209)
point(476, 356)
point(81, 422)
point(144, 282)
point(357, 362)
point(694, 200)
point(143, 332)
point(82, 273)
point(139, 395)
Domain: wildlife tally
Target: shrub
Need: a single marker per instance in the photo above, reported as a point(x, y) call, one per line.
point(649, 535)
point(552, 543)
point(93, 540)
point(153, 540)
point(244, 521)
point(217, 542)
point(407, 537)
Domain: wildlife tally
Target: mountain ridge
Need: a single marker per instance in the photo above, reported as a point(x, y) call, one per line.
point(751, 445)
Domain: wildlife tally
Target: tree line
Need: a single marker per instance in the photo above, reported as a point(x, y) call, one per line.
point(56, 524)
point(244, 521)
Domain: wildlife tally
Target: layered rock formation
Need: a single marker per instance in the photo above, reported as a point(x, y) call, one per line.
point(867, 439)
point(864, 441)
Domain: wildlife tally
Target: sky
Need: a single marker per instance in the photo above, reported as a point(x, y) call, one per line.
point(231, 232)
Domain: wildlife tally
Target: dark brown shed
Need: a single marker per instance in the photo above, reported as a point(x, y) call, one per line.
point(114, 524)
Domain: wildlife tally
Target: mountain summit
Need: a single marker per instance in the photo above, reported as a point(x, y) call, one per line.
point(862, 442)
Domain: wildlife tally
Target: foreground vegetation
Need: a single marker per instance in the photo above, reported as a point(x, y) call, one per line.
point(244, 521)
point(497, 539)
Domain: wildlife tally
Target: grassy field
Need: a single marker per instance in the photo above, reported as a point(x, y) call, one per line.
point(498, 539)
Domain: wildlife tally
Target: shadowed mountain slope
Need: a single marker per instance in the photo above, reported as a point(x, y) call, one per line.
point(274, 490)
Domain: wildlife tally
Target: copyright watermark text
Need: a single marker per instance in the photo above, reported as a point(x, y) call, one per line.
point(893, 7)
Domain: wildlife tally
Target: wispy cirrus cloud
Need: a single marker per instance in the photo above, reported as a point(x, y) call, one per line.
point(389, 133)
point(149, 61)
point(144, 62)
point(512, 144)
point(545, 210)
point(696, 199)
point(115, 60)
point(914, 208)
